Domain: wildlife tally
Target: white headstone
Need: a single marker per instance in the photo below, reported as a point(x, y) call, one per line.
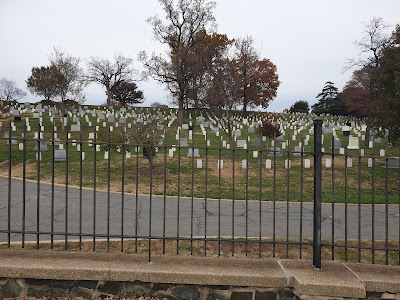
point(370, 161)
point(220, 164)
point(193, 152)
point(354, 143)
point(199, 164)
point(328, 163)
point(287, 163)
point(307, 163)
point(244, 164)
point(268, 164)
point(349, 162)
point(371, 144)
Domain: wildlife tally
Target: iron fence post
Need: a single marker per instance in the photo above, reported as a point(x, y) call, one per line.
point(317, 192)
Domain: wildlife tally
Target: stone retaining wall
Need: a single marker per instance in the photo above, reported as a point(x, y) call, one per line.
point(12, 288)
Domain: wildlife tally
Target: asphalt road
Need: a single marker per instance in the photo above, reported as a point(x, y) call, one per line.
point(90, 212)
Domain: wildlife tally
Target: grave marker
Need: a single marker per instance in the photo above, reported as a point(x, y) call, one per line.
point(268, 164)
point(307, 163)
point(328, 163)
point(274, 151)
point(241, 143)
point(393, 163)
point(297, 151)
point(337, 144)
point(244, 164)
point(353, 143)
point(183, 142)
point(193, 152)
point(199, 164)
point(60, 155)
point(287, 163)
point(42, 146)
point(220, 164)
point(349, 162)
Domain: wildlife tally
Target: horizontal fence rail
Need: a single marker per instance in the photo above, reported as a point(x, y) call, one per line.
point(95, 189)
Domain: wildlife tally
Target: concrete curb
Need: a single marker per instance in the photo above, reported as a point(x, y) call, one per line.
point(334, 280)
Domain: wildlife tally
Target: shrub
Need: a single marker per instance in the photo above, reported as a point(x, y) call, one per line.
point(158, 105)
point(268, 129)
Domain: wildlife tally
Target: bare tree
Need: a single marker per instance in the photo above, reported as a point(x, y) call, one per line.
point(221, 98)
point(107, 73)
point(9, 90)
point(72, 85)
point(375, 39)
point(185, 18)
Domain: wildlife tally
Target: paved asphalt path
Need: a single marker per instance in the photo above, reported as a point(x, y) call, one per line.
point(97, 213)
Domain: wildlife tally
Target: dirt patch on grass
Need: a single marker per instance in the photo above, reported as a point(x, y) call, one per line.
point(152, 172)
point(251, 248)
point(18, 170)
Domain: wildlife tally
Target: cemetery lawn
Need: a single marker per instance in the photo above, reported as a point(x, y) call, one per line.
point(180, 175)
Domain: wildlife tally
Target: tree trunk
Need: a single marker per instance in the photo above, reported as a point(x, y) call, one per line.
point(108, 96)
point(196, 103)
point(62, 113)
point(180, 110)
point(244, 103)
point(366, 142)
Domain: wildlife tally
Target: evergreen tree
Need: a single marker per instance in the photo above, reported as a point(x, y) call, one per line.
point(329, 101)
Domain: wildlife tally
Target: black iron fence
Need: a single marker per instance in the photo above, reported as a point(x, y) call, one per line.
point(314, 200)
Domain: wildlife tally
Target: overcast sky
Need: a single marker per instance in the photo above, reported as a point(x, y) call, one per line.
point(308, 40)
